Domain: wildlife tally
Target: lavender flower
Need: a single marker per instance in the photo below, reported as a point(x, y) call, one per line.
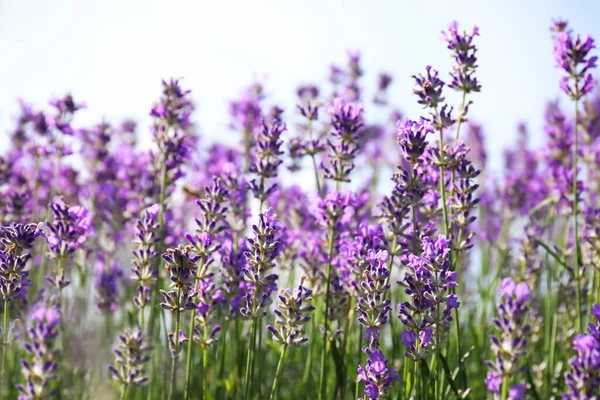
point(69, 228)
point(19, 237)
point(373, 305)
point(292, 313)
point(584, 379)
point(260, 260)
point(572, 56)
point(143, 272)
point(464, 54)
point(40, 368)
point(267, 158)
point(131, 355)
point(378, 377)
point(108, 274)
point(429, 88)
point(511, 346)
point(346, 123)
point(428, 314)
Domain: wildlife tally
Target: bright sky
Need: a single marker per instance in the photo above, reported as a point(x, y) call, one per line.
point(113, 53)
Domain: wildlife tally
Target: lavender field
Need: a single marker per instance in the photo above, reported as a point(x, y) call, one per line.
point(340, 249)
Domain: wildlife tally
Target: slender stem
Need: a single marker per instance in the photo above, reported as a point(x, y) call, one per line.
point(251, 346)
point(273, 395)
point(222, 361)
point(504, 388)
point(323, 386)
point(314, 161)
point(176, 356)
point(575, 210)
point(123, 392)
point(358, 357)
point(189, 355)
point(4, 342)
point(205, 363)
point(460, 120)
point(443, 177)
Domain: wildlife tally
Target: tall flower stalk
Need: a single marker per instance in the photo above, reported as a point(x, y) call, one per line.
point(572, 56)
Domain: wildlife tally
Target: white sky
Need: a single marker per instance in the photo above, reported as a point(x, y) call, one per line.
point(112, 54)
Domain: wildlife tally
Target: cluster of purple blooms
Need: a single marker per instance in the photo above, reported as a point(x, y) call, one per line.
point(510, 348)
point(361, 255)
point(428, 314)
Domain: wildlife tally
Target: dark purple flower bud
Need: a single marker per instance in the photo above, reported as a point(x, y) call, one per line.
point(307, 92)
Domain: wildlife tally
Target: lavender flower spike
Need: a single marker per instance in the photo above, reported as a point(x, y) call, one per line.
point(373, 305)
point(376, 374)
point(572, 56)
point(292, 312)
point(131, 355)
point(510, 347)
point(40, 368)
point(584, 379)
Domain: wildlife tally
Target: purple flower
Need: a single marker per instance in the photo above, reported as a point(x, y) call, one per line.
point(428, 281)
point(464, 54)
point(584, 378)
point(293, 311)
point(266, 158)
point(39, 369)
point(69, 228)
point(346, 123)
point(429, 88)
point(108, 275)
point(376, 374)
point(373, 305)
point(19, 237)
point(510, 347)
point(130, 357)
point(143, 271)
point(572, 54)
point(173, 109)
point(264, 247)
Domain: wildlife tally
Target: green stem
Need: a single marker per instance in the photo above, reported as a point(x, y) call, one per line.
point(123, 392)
point(222, 361)
point(443, 177)
point(273, 395)
point(575, 210)
point(176, 356)
point(323, 386)
point(314, 162)
point(251, 346)
point(462, 107)
point(4, 342)
point(189, 355)
point(504, 388)
point(358, 357)
point(205, 363)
